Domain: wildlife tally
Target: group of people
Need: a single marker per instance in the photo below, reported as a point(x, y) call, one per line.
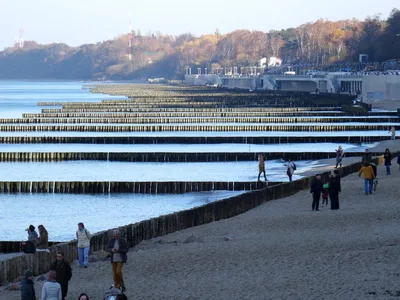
point(290, 168)
point(332, 189)
point(56, 287)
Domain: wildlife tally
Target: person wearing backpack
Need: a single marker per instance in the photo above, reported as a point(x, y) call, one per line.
point(290, 168)
point(83, 237)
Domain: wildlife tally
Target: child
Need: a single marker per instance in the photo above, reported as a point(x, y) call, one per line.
point(325, 194)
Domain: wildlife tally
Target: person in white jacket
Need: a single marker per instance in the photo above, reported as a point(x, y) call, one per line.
point(83, 237)
point(51, 289)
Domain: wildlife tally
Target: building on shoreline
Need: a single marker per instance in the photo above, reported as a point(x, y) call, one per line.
point(369, 86)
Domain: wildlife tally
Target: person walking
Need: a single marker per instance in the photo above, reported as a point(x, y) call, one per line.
point(392, 131)
point(83, 237)
point(334, 189)
point(290, 168)
point(339, 156)
point(51, 289)
point(261, 166)
point(63, 273)
point(369, 176)
point(388, 161)
point(43, 238)
point(316, 190)
point(118, 247)
point(27, 287)
point(366, 159)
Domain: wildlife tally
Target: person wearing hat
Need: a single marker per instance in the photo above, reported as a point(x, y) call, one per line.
point(27, 287)
point(316, 190)
point(63, 273)
point(118, 247)
point(83, 237)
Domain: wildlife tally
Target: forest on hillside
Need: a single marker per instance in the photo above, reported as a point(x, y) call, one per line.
point(318, 43)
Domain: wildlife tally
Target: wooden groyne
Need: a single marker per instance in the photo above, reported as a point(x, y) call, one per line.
point(110, 187)
point(171, 120)
point(189, 139)
point(193, 127)
point(156, 227)
point(165, 157)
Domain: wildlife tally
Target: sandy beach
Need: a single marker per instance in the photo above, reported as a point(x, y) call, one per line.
point(280, 250)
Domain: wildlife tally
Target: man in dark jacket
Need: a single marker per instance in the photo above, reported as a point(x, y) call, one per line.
point(27, 288)
point(63, 271)
point(118, 247)
point(316, 190)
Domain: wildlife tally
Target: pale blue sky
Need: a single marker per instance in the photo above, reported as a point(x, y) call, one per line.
point(81, 21)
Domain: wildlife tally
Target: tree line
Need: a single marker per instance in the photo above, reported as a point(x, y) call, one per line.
point(320, 43)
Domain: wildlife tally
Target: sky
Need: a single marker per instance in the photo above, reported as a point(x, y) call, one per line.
point(76, 22)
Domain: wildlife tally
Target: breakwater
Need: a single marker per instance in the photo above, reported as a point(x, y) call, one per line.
point(188, 139)
point(141, 187)
point(164, 157)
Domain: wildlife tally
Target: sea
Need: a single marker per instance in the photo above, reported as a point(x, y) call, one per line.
point(61, 213)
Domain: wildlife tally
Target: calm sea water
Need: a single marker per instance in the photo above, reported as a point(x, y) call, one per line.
point(18, 97)
point(60, 214)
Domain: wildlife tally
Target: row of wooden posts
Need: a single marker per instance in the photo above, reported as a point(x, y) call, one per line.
point(192, 127)
point(188, 120)
point(163, 156)
point(110, 187)
point(169, 139)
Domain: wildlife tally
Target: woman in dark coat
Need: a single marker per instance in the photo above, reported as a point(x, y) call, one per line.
point(388, 161)
point(334, 189)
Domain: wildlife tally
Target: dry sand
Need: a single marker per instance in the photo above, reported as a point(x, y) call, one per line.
point(280, 250)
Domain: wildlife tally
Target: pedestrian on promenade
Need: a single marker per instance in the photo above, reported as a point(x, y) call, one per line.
point(334, 189)
point(398, 161)
point(366, 159)
point(51, 289)
point(83, 237)
point(392, 131)
point(369, 176)
point(388, 161)
point(27, 287)
point(63, 273)
point(83, 296)
point(33, 240)
point(290, 168)
point(339, 156)
point(118, 247)
point(43, 238)
point(261, 166)
point(316, 190)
